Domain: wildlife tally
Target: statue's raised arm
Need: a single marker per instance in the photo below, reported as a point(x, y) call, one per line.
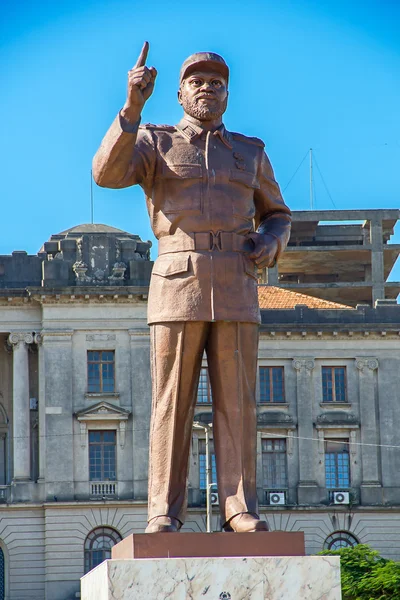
point(112, 161)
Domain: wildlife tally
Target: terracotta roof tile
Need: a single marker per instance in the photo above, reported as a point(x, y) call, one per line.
point(271, 297)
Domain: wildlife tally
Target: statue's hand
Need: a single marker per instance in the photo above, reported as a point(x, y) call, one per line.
point(140, 86)
point(265, 249)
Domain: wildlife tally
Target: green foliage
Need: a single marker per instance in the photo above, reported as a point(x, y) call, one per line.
point(366, 575)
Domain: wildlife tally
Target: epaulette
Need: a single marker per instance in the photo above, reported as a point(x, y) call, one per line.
point(160, 127)
point(249, 140)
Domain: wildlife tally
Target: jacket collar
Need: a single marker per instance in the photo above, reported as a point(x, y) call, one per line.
point(192, 132)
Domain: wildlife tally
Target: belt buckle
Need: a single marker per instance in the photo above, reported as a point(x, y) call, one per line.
point(215, 241)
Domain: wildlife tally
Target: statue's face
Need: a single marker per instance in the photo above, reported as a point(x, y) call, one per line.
point(204, 95)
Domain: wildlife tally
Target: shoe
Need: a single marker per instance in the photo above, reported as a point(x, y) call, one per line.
point(246, 523)
point(163, 524)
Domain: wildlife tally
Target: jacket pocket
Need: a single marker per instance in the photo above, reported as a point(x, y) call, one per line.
point(181, 171)
point(245, 177)
point(170, 265)
point(250, 268)
point(181, 188)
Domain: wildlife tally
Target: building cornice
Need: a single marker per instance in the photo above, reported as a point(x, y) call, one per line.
point(72, 295)
point(288, 332)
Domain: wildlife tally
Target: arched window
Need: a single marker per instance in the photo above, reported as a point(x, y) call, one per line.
point(2, 576)
point(98, 546)
point(340, 539)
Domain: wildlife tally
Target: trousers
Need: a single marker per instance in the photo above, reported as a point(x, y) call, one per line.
point(176, 355)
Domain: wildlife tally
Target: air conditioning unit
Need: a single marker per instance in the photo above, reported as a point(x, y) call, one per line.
point(277, 498)
point(214, 498)
point(341, 497)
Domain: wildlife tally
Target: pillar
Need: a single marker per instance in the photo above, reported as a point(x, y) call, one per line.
point(273, 275)
point(308, 491)
point(56, 352)
point(371, 490)
point(377, 271)
point(141, 408)
point(42, 409)
point(21, 419)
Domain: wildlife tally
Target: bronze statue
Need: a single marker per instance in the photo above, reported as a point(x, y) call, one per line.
point(218, 213)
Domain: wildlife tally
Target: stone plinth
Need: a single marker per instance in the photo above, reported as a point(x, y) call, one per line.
point(259, 578)
point(208, 545)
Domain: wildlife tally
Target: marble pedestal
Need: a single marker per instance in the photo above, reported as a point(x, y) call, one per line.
point(252, 578)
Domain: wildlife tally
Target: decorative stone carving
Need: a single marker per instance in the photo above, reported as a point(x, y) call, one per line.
point(16, 337)
point(83, 429)
point(79, 250)
point(321, 441)
point(100, 337)
point(99, 275)
point(304, 364)
point(122, 430)
point(275, 418)
point(289, 442)
point(367, 362)
point(339, 418)
point(38, 338)
point(103, 413)
point(118, 272)
point(80, 269)
point(117, 249)
point(353, 444)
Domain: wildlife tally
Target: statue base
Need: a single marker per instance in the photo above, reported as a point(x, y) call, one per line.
point(209, 545)
point(253, 578)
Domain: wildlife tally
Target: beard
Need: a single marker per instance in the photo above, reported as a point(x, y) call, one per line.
point(198, 109)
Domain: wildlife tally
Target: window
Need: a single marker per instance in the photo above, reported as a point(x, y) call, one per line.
point(101, 367)
point(204, 390)
point(102, 455)
point(334, 384)
point(271, 384)
point(274, 463)
point(98, 546)
point(337, 464)
point(202, 464)
point(340, 539)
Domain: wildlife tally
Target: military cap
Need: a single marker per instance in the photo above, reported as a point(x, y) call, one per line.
point(204, 59)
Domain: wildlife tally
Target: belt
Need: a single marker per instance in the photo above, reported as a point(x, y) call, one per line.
point(222, 241)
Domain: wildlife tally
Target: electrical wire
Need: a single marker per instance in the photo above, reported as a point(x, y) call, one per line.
point(293, 437)
point(323, 181)
point(295, 173)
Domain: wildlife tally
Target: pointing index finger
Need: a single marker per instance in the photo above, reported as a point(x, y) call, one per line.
point(141, 61)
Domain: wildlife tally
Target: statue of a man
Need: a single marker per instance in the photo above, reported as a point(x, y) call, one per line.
point(218, 213)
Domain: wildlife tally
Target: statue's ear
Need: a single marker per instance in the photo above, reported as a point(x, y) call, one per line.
point(179, 96)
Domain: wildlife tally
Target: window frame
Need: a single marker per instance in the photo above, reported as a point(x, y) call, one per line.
point(270, 369)
point(338, 485)
point(100, 363)
point(105, 531)
point(103, 444)
point(332, 369)
point(275, 453)
point(201, 442)
point(209, 392)
point(338, 536)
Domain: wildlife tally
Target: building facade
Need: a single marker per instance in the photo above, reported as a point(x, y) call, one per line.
point(75, 399)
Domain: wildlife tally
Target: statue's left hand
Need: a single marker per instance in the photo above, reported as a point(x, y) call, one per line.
point(265, 249)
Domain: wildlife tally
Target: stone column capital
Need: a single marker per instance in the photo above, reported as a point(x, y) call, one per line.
point(303, 364)
point(367, 363)
point(38, 338)
point(17, 337)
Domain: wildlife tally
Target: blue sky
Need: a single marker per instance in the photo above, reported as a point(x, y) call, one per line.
point(304, 73)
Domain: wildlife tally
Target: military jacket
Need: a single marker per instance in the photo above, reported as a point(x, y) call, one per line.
point(205, 192)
